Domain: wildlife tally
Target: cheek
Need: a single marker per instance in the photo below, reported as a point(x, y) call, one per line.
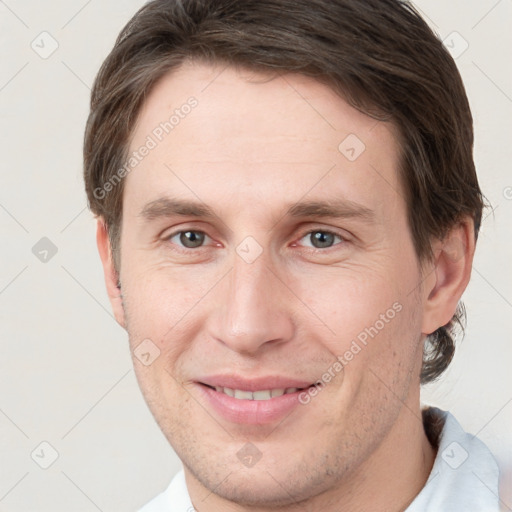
point(165, 311)
point(160, 298)
point(369, 318)
point(347, 301)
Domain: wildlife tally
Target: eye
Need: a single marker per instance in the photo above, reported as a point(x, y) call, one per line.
point(321, 239)
point(188, 239)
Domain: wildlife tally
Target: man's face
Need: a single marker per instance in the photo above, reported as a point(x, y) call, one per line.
point(305, 260)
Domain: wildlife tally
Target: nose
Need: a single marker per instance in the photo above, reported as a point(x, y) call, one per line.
point(252, 308)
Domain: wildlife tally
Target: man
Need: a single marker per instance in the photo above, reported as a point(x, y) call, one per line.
point(287, 214)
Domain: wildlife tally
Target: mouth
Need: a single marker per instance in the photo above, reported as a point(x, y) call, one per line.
point(256, 401)
point(262, 394)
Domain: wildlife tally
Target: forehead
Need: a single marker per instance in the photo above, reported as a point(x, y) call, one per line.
point(224, 129)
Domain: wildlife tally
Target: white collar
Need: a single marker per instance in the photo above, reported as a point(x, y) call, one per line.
point(465, 475)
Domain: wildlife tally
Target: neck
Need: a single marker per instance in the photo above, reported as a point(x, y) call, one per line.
point(398, 470)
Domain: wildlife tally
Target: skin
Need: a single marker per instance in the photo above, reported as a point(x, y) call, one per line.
point(254, 146)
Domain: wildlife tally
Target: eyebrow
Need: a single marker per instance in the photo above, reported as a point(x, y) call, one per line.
point(169, 207)
point(340, 208)
point(166, 207)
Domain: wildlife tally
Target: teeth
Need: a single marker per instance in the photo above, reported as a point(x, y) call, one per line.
point(228, 391)
point(243, 395)
point(261, 395)
point(265, 394)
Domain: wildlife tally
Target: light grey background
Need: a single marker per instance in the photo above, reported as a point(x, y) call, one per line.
point(65, 372)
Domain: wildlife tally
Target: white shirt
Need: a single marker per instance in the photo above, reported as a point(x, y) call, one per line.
point(464, 477)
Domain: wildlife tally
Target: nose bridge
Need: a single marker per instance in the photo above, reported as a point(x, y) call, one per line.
point(252, 310)
point(250, 283)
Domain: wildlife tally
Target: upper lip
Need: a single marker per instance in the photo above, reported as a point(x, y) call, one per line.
point(254, 384)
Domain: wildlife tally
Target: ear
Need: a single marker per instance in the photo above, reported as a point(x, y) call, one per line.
point(449, 276)
point(110, 273)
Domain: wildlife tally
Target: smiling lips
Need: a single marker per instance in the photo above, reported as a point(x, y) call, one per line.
point(266, 394)
point(233, 385)
point(255, 401)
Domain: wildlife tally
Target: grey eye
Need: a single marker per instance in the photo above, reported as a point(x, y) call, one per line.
point(321, 239)
point(191, 239)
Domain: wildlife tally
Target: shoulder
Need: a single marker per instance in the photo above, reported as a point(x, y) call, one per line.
point(465, 474)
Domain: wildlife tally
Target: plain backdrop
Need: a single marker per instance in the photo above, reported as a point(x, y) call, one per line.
point(66, 378)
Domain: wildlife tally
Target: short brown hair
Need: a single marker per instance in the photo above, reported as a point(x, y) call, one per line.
point(379, 55)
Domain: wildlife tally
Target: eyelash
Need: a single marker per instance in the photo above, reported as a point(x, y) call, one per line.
point(305, 234)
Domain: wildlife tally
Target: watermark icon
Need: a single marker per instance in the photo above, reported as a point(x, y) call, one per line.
point(146, 352)
point(351, 147)
point(249, 455)
point(44, 455)
point(44, 250)
point(455, 44)
point(455, 248)
point(249, 249)
point(454, 455)
point(45, 45)
point(356, 346)
point(507, 193)
point(152, 140)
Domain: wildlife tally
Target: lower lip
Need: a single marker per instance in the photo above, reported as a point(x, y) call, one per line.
point(253, 412)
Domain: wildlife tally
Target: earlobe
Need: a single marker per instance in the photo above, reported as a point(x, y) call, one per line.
point(453, 259)
point(111, 275)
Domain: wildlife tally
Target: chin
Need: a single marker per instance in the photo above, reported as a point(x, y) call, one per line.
point(260, 488)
